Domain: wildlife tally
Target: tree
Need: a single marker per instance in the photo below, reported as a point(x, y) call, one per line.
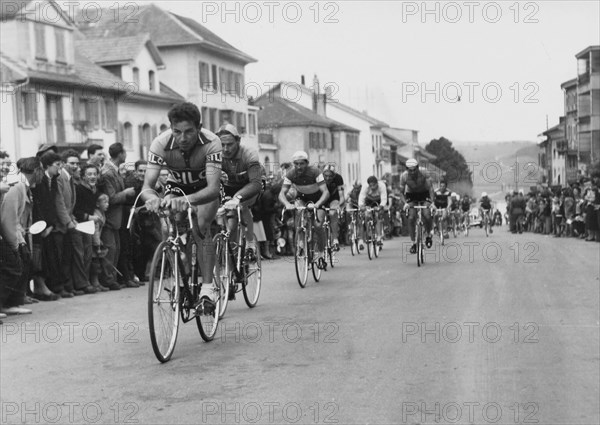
point(452, 163)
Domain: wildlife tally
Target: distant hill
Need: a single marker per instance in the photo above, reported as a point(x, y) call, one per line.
point(495, 171)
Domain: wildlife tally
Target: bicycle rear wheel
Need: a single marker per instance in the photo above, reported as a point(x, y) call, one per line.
point(207, 321)
point(301, 257)
point(252, 280)
point(485, 226)
point(316, 271)
point(419, 244)
point(163, 302)
point(222, 272)
point(329, 251)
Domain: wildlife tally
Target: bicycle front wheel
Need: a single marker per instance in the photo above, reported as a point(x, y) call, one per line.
point(419, 245)
point(163, 302)
point(252, 281)
point(222, 271)
point(208, 320)
point(301, 257)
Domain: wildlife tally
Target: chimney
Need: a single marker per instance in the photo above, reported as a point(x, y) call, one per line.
point(315, 95)
point(302, 80)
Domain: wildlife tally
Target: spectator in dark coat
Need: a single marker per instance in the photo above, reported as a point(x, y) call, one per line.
point(114, 187)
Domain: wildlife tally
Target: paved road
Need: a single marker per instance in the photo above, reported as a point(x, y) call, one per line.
point(498, 330)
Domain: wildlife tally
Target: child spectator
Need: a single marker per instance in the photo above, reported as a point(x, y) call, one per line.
point(98, 250)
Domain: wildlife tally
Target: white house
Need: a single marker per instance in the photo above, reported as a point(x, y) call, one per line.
point(142, 112)
point(51, 93)
point(199, 65)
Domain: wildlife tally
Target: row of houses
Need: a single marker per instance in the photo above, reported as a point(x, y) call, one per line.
point(71, 81)
point(570, 147)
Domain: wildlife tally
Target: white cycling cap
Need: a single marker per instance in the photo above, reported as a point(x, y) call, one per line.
point(299, 156)
point(411, 163)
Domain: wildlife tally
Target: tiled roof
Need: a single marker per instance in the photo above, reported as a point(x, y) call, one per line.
point(116, 50)
point(278, 112)
point(87, 74)
point(396, 135)
point(165, 29)
point(168, 91)
point(374, 121)
point(10, 71)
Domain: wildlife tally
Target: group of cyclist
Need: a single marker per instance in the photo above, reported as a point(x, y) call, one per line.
point(213, 169)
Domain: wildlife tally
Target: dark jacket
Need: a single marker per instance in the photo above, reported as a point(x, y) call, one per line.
point(113, 187)
point(85, 203)
point(44, 201)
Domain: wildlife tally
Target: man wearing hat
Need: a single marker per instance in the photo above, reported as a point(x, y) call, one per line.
point(243, 181)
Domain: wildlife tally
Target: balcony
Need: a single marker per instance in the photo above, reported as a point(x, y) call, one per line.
point(383, 155)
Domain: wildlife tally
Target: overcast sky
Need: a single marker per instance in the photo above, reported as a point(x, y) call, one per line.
point(381, 55)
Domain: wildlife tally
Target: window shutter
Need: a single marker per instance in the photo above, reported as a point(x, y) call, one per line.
point(21, 108)
point(121, 134)
point(154, 131)
point(141, 134)
point(33, 111)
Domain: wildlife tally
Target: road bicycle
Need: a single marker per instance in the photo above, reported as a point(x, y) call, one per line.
point(330, 250)
point(465, 223)
point(453, 222)
point(174, 285)
point(235, 265)
point(438, 224)
point(486, 221)
point(304, 245)
point(373, 245)
point(355, 222)
point(420, 234)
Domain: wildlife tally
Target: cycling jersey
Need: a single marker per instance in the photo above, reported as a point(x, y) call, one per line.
point(416, 183)
point(485, 202)
point(239, 171)
point(371, 198)
point(333, 187)
point(465, 205)
point(188, 170)
point(454, 205)
point(307, 183)
point(440, 198)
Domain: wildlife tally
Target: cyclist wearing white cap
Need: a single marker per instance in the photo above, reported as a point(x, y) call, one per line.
point(312, 190)
point(241, 179)
point(415, 186)
point(485, 207)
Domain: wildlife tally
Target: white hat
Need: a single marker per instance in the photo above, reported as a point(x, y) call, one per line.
point(299, 156)
point(411, 163)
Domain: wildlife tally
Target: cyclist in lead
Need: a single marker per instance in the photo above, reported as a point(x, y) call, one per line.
point(415, 186)
point(311, 191)
point(241, 180)
point(485, 207)
point(192, 154)
point(440, 200)
point(373, 195)
point(465, 206)
point(335, 186)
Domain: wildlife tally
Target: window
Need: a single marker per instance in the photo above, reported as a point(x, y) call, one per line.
point(204, 76)
point(27, 109)
point(223, 80)
point(40, 42)
point(59, 36)
point(110, 109)
point(204, 117)
point(318, 141)
point(252, 123)
point(214, 80)
point(241, 122)
point(213, 119)
point(136, 77)
point(128, 136)
point(92, 113)
point(163, 128)
point(151, 81)
point(226, 116)
point(55, 124)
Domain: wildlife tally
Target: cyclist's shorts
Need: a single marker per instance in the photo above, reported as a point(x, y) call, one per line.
point(309, 197)
point(371, 204)
point(417, 197)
